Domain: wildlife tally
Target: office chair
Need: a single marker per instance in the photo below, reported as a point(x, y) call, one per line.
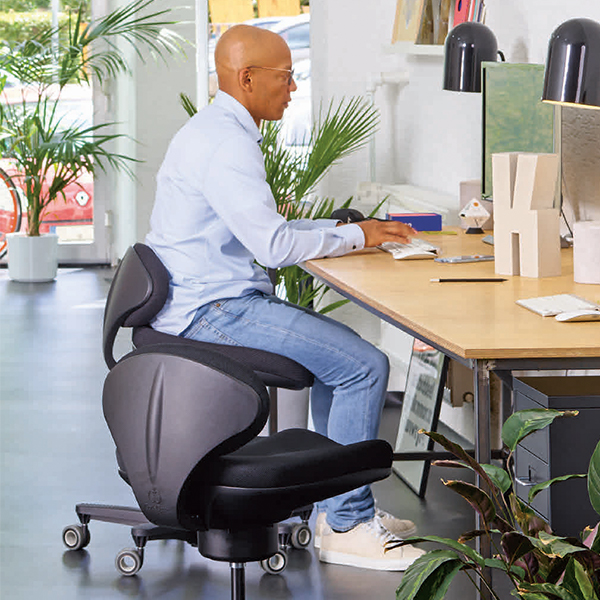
point(138, 292)
point(185, 421)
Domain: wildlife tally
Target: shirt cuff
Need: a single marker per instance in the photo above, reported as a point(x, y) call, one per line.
point(354, 235)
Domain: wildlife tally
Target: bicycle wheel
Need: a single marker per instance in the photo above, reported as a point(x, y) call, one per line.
point(10, 210)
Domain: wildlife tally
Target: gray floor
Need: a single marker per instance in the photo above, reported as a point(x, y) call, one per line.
point(56, 451)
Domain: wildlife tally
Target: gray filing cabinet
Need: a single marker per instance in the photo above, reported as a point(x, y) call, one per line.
point(561, 449)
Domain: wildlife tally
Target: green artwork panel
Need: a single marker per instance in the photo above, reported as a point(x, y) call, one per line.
point(514, 117)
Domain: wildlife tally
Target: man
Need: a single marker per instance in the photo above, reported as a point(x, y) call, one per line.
point(214, 217)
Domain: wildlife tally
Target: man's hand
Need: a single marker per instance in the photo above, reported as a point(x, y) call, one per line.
point(376, 232)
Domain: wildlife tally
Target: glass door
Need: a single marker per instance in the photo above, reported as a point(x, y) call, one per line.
point(79, 217)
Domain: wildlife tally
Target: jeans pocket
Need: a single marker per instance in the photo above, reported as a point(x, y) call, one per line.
point(205, 331)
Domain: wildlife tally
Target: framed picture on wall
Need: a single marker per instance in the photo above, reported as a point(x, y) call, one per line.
point(421, 406)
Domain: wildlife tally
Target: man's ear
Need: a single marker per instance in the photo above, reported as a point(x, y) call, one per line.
point(245, 80)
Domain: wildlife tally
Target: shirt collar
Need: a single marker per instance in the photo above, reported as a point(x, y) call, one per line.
point(229, 103)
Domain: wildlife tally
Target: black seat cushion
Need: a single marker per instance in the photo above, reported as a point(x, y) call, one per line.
point(273, 369)
point(265, 480)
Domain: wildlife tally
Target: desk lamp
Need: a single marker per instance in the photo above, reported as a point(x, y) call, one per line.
point(466, 47)
point(572, 78)
point(572, 74)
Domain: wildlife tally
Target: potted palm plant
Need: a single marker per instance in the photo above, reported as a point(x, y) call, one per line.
point(47, 153)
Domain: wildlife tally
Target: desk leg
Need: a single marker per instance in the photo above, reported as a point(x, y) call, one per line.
point(483, 449)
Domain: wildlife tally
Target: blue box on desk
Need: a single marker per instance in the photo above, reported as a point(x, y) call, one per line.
point(418, 221)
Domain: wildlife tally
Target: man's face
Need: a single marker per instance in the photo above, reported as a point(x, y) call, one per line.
point(273, 85)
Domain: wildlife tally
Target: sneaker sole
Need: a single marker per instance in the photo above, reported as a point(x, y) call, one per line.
point(361, 562)
point(407, 534)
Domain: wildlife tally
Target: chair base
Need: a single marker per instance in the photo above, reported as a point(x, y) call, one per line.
point(266, 545)
point(239, 546)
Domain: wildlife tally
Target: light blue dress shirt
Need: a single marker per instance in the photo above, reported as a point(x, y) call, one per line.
point(214, 214)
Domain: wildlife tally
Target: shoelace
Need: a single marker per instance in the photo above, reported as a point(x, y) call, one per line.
point(385, 536)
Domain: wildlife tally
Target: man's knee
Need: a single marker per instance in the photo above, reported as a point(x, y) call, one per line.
point(378, 361)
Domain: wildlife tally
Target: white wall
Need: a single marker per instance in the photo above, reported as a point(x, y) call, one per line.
point(430, 137)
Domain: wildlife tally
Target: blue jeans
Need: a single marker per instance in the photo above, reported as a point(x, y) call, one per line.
point(351, 375)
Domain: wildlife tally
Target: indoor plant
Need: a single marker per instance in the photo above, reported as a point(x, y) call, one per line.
point(47, 153)
point(539, 564)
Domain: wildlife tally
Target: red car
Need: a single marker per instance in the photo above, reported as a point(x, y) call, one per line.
point(77, 207)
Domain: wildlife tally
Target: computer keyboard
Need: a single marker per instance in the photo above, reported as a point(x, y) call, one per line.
point(549, 306)
point(415, 249)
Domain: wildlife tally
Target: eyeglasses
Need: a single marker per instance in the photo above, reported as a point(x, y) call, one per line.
point(290, 72)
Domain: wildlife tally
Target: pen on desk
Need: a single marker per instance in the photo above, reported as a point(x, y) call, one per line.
point(466, 279)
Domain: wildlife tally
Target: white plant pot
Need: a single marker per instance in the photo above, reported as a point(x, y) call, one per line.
point(32, 259)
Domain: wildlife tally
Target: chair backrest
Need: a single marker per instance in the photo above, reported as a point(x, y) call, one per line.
point(138, 291)
point(169, 407)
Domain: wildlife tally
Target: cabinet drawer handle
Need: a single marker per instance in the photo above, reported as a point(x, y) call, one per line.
point(525, 482)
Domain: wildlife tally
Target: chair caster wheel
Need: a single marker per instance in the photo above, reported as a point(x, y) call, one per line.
point(300, 536)
point(129, 561)
point(275, 564)
point(76, 537)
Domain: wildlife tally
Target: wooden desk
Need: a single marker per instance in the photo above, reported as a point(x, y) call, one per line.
point(468, 321)
point(477, 324)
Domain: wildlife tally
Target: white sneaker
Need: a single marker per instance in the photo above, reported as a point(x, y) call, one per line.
point(364, 547)
point(400, 528)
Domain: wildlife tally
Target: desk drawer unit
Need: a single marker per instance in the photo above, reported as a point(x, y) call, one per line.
point(561, 449)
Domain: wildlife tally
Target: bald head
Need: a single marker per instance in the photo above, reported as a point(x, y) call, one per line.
point(248, 61)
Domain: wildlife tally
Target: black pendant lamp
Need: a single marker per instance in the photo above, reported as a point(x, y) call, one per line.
point(573, 65)
point(467, 46)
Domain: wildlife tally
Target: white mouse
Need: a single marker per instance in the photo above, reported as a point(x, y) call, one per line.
point(587, 314)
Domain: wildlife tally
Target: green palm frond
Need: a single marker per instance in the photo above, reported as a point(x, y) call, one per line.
point(339, 131)
point(188, 104)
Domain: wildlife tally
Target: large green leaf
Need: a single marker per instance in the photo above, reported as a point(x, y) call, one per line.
point(529, 521)
point(515, 545)
point(499, 477)
point(524, 422)
point(458, 547)
point(578, 581)
point(548, 590)
point(594, 479)
point(460, 453)
point(536, 489)
point(477, 498)
point(429, 576)
point(556, 546)
point(496, 563)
